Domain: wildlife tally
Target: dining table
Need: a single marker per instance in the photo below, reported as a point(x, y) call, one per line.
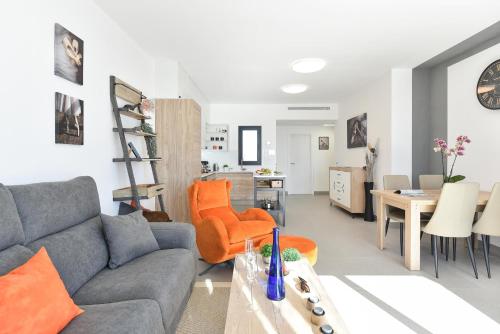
point(413, 205)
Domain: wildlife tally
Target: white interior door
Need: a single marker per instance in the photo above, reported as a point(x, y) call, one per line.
point(299, 164)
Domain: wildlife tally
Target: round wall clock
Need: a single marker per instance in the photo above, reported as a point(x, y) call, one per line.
point(488, 86)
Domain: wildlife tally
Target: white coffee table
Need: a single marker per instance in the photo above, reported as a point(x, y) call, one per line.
point(285, 317)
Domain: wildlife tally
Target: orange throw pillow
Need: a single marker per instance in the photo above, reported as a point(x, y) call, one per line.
point(33, 298)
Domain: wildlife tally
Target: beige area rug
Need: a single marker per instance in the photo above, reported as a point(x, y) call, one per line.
point(206, 309)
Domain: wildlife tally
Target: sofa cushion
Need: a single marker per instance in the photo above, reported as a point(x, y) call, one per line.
point(78, 253)
point(50, 207)
point(164, 275)
point(33, 298)
point(10, 223)
point(128, 237)
point(13, 257)
point(131, 317)
point(212, 194)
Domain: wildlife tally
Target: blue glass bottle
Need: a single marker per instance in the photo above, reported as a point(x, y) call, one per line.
point(276, 281)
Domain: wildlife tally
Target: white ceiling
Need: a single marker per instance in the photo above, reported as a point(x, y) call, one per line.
point(239, 51)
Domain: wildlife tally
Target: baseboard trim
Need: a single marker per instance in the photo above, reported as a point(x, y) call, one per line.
point(321, 193)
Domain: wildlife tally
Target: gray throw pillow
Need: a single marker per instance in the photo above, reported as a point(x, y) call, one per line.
point(128, 237)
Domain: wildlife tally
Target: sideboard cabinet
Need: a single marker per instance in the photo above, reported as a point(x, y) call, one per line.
point(347, 188)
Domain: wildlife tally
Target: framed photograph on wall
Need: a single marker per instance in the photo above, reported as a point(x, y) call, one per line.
point(69, 120)
point(324, 143)
point(68, 55)
point(357, 131)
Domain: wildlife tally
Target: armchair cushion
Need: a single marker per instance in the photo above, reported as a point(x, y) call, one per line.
point(238, 232)
point(174, 235)
point(225, 214)
point(213, 194)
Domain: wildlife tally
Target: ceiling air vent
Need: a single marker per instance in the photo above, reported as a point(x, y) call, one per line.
point(309, 108)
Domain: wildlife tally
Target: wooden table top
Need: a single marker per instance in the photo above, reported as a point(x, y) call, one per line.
point(287, 316)
point(430, 197)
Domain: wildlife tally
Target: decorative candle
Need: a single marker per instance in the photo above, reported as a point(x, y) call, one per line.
point(317, 316)
point(326, 329)
point(311, 302)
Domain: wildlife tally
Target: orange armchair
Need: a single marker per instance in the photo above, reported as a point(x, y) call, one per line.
point(220, 230)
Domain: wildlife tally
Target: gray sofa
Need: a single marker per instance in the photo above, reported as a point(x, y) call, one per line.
point(145, 295)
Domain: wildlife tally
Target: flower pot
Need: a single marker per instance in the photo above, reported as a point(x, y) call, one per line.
point(369, 216)
point(266, 259)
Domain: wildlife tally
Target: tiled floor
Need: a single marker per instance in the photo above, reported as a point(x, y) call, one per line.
point(347, 252)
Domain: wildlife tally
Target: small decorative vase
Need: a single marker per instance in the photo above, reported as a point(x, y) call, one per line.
point(276, 281)
point(369, 217)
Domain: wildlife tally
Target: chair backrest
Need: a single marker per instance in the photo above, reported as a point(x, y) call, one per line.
point(455, 210)
point(396, 182)
point(489, 223)
point(210, 194)
point(430, 181)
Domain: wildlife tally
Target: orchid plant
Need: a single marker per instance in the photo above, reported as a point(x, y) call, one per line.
point(440, 145)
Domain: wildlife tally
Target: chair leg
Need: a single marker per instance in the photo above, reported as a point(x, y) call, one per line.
point(471, 255)
point(434, 244)
point(421, 234)
point(488, 243)
point(401, 238)
point(212, 266)
point(454, 249)
point(486, 253)
point(473, 239)
point(441, 244)
point(447, 247)
point(387, 225)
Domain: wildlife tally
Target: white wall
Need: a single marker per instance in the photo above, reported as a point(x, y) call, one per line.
point(401, 121)
point(467, 116)
point(387, 102)
point(264, 115)
point(321, 160)
point(27, 87)
point(172, 81)
point(375, 100)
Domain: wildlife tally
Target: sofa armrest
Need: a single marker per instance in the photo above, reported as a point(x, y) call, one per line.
point(174, 235)
point(255, 214)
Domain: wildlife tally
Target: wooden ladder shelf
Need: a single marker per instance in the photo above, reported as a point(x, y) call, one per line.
point(126, 92)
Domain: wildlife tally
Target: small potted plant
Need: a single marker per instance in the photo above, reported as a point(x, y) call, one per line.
point(266, 251)
point(290, 255)
point(225, 167)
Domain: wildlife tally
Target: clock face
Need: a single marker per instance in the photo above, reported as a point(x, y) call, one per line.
point(488, 86)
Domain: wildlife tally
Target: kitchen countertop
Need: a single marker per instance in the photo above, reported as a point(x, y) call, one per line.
point(279, 176)
point(228, 172)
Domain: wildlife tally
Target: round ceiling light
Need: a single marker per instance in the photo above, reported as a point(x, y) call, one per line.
point(308, 65)
point(294, 88)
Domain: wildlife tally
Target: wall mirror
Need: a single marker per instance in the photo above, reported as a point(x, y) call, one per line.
point(250, 145)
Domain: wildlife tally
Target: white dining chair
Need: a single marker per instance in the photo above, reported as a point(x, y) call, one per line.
point(430, 182)
point(434, 182)
point(489, 223)
point(396, 215)
point(453, 217)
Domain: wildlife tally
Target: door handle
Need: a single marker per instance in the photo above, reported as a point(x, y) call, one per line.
point(292, 163)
